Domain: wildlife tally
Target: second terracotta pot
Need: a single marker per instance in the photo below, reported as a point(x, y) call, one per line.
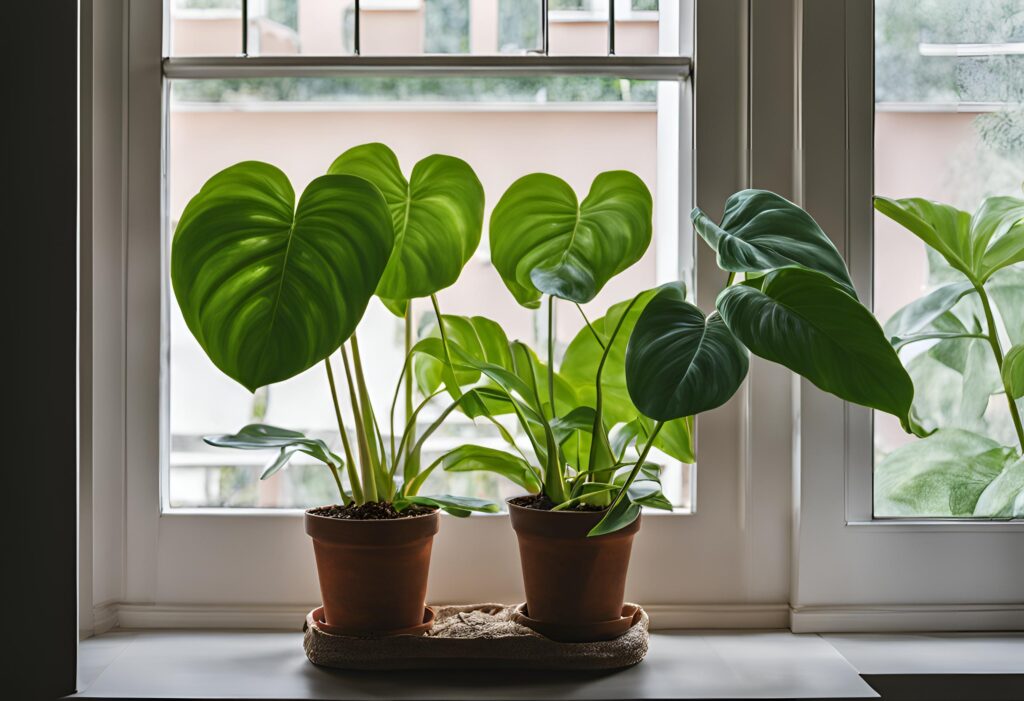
point(573, 583)
point(373, 573)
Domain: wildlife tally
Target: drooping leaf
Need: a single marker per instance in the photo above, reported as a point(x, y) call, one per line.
point(942, 475)
point(679, 362)
point(761, 232)
point(270, 289)
point(456, 506)
point(978, 245)
point(1004, 496)
point(1013, 372)
point(543, 241)
point(437, 215)
point(264, 437)
point(476, 335)
point(617, 517)
point(477, 458)
point(804, 321)
point(579, 368)
point(954, 397)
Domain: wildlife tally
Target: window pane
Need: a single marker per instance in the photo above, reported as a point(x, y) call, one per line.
point(949, 127)
point(580, 28)
point(505, 128)
point(205, 27)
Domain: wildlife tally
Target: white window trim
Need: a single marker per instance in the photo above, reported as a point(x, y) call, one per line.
point(851, 571)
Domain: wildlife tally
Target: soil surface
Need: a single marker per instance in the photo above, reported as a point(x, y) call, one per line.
point(371, 511)
point(542, 503)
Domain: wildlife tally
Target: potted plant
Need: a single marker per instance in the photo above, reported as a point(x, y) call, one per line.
point(270, 288)
point(963, 346)
point(637, 377)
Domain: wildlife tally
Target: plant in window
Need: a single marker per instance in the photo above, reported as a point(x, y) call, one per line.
point(577, 421)
point(968, 334)
point(270, 288)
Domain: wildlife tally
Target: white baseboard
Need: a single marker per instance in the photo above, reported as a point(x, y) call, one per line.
point(290, 617)
point(907, 618)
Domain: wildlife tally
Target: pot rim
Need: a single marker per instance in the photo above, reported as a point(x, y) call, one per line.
point(557, 524)
point(309, 514)
point(577, 514)
point(371, 532)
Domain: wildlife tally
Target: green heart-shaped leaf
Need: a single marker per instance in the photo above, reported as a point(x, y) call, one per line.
point(438, 215)
point(805, 321)
point(544, 242)
point(579, 368)
point(679, 362)
point(270, 289)
point(761, 232)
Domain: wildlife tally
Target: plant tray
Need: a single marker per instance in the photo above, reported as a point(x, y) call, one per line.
point(482, 636)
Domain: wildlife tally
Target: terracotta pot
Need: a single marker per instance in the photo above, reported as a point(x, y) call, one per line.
point(575, 585)
point(373, 573)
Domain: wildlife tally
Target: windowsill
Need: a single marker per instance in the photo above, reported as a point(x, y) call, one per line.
point(263, 512)
point(680, 665)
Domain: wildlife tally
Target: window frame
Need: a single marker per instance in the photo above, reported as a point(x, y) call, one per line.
point(839, 544)
point(778, 535)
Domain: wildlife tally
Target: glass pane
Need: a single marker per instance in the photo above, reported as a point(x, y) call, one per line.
point(580, 28)
point(505, 128)
point(949, 127)
point(205, 27)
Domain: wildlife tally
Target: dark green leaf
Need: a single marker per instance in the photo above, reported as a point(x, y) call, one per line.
point(543, 241)
point(679, 362)
point(804, 321)
point(264, 437)
point(269, 289)
point(617, 518)
point(437, 214)
point(456, 506)
point(761, 232)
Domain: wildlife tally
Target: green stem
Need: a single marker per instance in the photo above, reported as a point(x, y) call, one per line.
point(337, 481)
point(350, 463)
point(373, 436)
point(597, 336)
point(730, 279)
point(639, 464)
point(551, 356)
point(365, 468)
point(408, 377)
point(444, 343)
point(993, 340)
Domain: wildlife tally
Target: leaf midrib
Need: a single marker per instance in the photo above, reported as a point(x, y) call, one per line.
point(280, 286)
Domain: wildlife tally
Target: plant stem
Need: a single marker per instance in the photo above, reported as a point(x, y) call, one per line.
point(551, 355)
point(730, 279)
point(590, 326)
point(639, 464)
point(365, 468)
point(350, 464)
point(408, 377)
point(375, 442)
point(444, 342)
point(993, 340)
point(337, 481)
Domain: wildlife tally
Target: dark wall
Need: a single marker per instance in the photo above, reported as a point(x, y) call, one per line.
point(38, 317)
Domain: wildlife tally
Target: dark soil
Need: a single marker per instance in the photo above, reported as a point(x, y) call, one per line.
point(372, 511)
point(542, 503)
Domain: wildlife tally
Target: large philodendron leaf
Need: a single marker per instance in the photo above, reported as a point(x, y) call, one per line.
point(761, 232)
point(805, 321)
point(438, 215)
point(579, 367)
point(679, 362)
point(941, 475)
point(544, 242)
point(978, 245)
point(267, 288)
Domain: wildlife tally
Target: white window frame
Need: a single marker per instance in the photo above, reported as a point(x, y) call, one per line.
point(781, 534)
point(855, 572)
